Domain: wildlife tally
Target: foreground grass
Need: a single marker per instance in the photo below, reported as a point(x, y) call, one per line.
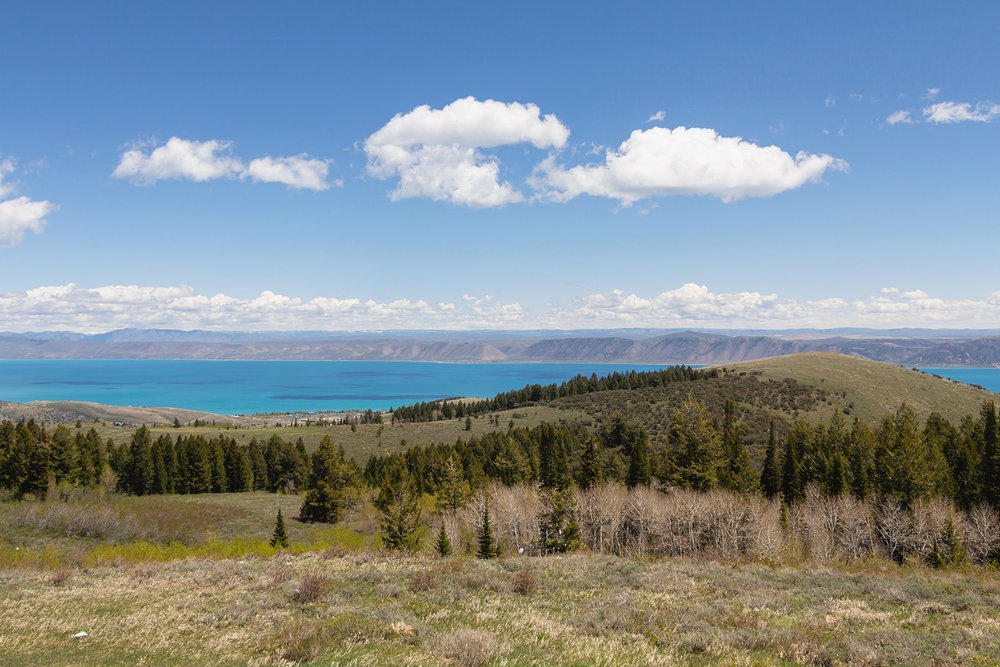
point(364, 608)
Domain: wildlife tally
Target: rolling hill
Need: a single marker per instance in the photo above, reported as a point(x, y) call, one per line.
point(809, 386)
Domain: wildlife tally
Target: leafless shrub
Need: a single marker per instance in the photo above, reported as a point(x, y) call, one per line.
point(464, 646)
point(515, 511)
point(600, 512)
point(893, 529)
point(936, 526)
point(313, 587)
point(422, 581)
point(769, 541)
point(982, 533)
point(525, 582)
point(60, 577)
point(730, 526)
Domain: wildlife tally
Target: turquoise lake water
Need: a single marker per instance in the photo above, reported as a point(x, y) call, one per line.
point(241, 387)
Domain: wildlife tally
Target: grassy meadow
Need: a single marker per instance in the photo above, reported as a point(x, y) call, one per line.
point(167, 580)
point(343, 607)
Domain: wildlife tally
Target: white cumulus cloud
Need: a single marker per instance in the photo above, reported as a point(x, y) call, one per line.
point(685, 161)
point(298, 171)
point(62, 307)
point(115, 306)
point(657, 117)
point(202, 161)
point(19, 215)
point(179, 158)
point(696, 305)
point(438, 153)
point(899, 117)
point(962, 112)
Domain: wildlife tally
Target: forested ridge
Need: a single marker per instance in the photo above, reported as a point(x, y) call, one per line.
point(536, 393)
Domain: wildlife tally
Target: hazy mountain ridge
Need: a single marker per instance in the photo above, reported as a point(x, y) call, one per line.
point(632, 347)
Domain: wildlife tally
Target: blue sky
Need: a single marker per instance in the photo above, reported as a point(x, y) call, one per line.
point(511, 200)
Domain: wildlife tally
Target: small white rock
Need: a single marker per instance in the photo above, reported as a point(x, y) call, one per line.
point(80, 635)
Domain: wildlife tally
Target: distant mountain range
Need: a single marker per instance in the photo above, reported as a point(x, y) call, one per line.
point(908, 347)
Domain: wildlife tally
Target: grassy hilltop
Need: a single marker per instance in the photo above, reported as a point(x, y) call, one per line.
point(871, 389)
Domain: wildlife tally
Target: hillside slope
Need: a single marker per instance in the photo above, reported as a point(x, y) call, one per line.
point(810, 386)
point(871, 389)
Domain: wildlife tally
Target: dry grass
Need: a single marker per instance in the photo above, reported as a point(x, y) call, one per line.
point(592, 610)
point(464, 646)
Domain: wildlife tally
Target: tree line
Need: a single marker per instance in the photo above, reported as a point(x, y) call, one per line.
point(900, 458)
point(34, 459)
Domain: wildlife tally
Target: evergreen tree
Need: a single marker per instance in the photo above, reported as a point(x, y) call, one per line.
point(399, 504)
point(487, 547)
point(199, 468)
point(326, 494)
point(591, 469)
point(160, 473)
point(861, 452)
point(139, 472)
point(36, 482)
point(736, 471)
point(901, 461)
point(239, 467)
point(217, 460)
point(940, 442)
point(966, 466)
point(453, 491)
point(553, 459)
point(835, 480)
point(279, 538)
point(639, 470)
point(792, 488)
point(64, 459)
point(259, 465)
point(694, 444)
point(443, 544)
point(770, 476)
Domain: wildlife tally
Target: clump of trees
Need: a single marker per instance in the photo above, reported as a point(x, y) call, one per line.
point(33, 459)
